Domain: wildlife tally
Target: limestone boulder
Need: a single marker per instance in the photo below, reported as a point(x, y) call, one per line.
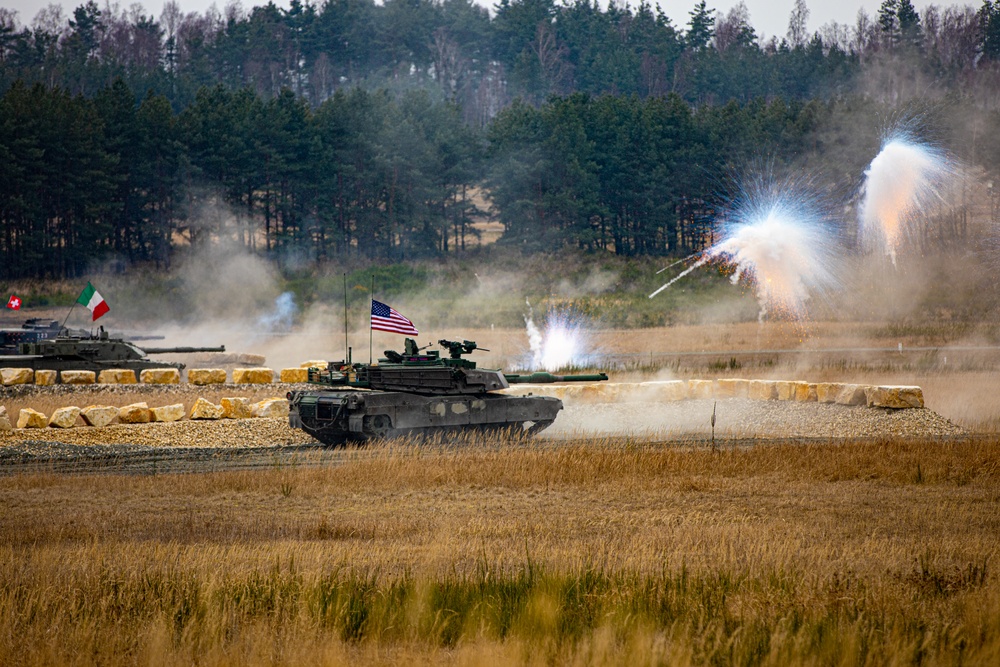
point(46, 378)
point(271, 408)
point(203, 409)
point(664, 390)
point(77, 377)
point(160, 376)
point(116, 376)
point(4, 420)
point(236, 408)
point(570, 393)
point(852, 394)
point(805, 392)
point(99, 415)
point(204, 376)
point(167, 413)
point(896, 397)
point(136, 413)
point(294, 375)
point(786, 390)
point(762, 390)
point(701, 388)
point(253, 376)
point(322, 365)
point(732, 388)
point(29, 418)
point(591, 392)
point(826, 392)
point(64, 417)
point(12, 376)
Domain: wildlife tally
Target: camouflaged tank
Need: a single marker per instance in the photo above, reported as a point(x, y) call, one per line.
point(74, 350)
point(420, 393)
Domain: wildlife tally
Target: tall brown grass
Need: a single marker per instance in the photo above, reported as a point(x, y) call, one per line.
point(601, 552)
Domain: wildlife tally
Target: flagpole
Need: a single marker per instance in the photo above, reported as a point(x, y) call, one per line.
point(63, 325)
point(371, 332)
point(346, 346)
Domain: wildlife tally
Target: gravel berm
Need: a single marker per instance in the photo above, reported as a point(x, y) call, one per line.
point(225, 444)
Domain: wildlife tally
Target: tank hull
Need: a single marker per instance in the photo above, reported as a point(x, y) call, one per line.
point(336, 417)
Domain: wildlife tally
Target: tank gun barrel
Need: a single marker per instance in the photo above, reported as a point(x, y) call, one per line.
point(542, 377)
point(182, 350)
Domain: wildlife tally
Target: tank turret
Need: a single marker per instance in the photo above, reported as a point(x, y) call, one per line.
point(418, 391)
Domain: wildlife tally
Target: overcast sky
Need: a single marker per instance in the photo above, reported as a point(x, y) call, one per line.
point(769, 17)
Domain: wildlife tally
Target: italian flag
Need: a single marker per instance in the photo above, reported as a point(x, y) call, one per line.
point(93, 300)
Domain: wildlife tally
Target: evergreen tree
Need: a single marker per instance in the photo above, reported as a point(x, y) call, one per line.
point(701, 27)
point(989, 29)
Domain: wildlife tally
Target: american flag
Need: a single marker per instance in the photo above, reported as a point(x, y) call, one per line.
point(385, 318)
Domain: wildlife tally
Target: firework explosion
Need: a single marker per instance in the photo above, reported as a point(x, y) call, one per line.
point(900, 183)
point(780, 247)
point(558, 346)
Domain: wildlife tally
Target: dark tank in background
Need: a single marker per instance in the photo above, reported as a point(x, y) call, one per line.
point(420, 393)
point(32, 331)
point(36, 329)
point(77, 350)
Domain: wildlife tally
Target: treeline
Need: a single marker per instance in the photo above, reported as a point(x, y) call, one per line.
point(110, 178)
point(529, 49)
point(121, 180)
point(109, 155)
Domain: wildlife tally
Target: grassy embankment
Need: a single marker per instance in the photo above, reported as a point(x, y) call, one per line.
point(610, 552)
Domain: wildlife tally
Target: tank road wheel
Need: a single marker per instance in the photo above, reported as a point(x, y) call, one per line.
point(378, 426)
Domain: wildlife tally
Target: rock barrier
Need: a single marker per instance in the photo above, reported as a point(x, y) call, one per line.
point(167, 413)
point(46, 378)
point(13, 376)
point(116, 376)
point(99, 415)
point(236, 408)
point(65, 417)
point(77, 377)
point(253, 376)
point(136, 413)
point(892, 397)
point(204, 409)
point(160, 376)
point(294, 375)
point(205, 376)
point(29, 418)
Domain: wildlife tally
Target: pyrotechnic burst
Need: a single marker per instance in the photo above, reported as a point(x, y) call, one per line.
point(903, 180)
point(561, 344)
point(777, 242)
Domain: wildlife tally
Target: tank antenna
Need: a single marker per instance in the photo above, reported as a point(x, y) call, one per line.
point(346, 345)
point(371, 331)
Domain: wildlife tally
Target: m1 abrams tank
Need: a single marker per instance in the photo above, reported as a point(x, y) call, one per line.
point(420, 393)
point(83, 351)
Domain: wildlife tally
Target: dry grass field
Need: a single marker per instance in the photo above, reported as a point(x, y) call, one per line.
point(579, 551)
point(599, 552)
